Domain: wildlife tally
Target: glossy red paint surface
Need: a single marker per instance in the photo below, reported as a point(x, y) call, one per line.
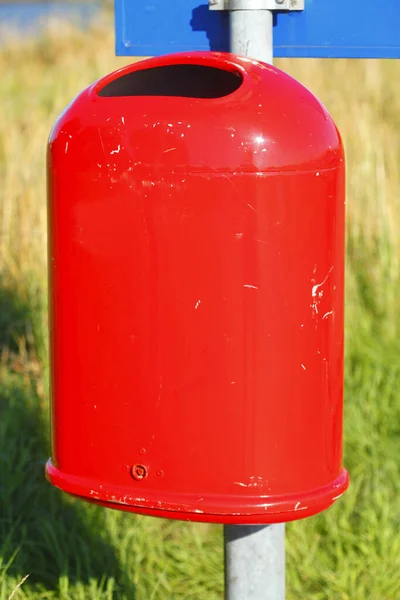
point(196, 288)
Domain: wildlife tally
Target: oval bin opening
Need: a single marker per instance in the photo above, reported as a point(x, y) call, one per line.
point(189, 81)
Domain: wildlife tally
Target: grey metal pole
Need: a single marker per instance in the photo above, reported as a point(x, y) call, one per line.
point(254, 562)
point(254, 555)
point(251, 33)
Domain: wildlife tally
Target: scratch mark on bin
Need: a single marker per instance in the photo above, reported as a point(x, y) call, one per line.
point(315, 287)
point(236, 190)
point(316, 293)
point(251, 287)
point(254, 482)
point(249, 205)
point(337, 497)
point(101, 139)
point(160, 392)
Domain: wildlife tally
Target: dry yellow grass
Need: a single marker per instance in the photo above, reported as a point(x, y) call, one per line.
point(38, 80)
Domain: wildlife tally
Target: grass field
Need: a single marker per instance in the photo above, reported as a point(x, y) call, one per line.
point(74, 551)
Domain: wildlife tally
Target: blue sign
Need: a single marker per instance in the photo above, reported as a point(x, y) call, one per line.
point(325, 29)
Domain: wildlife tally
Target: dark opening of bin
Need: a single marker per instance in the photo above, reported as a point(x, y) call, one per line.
point(190, 81)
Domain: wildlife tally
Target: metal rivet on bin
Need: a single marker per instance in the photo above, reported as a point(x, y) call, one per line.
point(139, 472)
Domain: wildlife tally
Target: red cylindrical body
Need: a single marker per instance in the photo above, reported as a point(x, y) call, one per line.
point(196, 284)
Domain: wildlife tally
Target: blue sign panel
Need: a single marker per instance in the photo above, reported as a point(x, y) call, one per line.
point(325, 29)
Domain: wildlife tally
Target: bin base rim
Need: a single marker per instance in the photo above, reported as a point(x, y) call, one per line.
point(229, 509)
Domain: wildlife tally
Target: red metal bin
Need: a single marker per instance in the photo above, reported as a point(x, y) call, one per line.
point(196, 249)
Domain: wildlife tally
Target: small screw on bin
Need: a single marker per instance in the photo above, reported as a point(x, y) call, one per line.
point(139, 472)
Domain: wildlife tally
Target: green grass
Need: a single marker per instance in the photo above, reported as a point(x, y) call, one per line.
point(72, 550)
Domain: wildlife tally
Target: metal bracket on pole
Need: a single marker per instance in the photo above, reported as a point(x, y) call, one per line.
point(256, 4)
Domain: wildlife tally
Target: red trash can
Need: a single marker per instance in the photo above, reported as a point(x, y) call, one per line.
point(196, 250)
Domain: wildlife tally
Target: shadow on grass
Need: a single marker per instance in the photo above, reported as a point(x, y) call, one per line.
point(42, 531)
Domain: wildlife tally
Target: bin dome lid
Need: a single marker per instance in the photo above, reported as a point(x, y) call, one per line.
point(204, 112)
